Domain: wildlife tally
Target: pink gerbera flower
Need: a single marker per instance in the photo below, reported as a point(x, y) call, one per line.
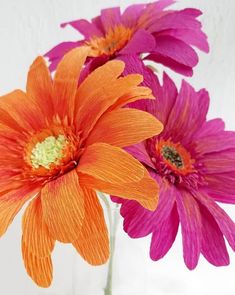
point(166, 36)
point(193, 160)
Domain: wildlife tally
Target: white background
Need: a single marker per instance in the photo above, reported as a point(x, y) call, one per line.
point(31, 27)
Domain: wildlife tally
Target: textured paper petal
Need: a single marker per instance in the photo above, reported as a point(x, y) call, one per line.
point(145, 192)
point(191, 226)
point(39, 86)
point(110, 164)
point(63, 207)
point(93, 241)
point(213, 244)
point(124, 127)
point(36, 236)
point(11, 203)
point(39, 269)
point(66, 80)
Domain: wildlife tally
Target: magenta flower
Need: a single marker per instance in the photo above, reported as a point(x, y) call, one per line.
point(193, 160)
point(166, 36)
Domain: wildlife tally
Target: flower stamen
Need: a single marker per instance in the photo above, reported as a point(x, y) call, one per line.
point(49, 151)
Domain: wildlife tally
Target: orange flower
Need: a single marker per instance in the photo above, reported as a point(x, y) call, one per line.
point(58, 145)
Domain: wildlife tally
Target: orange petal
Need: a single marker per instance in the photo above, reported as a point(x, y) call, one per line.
point(93, 241)
point(10, 205)
point(134, 94)
point(123, 127)
point(39, 86)
point(110, 164)
point(66, 80)
point(99, 78)
point(39, 269)
point(36, 236)
point(105, 94)
point(25, 112)
point(63, 207)
point(146, 191)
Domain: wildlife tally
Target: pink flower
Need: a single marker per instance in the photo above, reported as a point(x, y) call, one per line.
point(166, 36)
point(193, 160)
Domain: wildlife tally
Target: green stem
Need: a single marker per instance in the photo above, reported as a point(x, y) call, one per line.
point(113, 224)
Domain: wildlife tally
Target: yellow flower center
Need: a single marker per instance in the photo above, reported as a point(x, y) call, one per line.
point(49, 151)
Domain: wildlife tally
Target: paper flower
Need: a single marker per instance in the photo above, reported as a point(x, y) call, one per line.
point(60, 143)
point(167, 36)
point(193, 160)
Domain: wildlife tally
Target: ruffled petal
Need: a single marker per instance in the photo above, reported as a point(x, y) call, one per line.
point(110, 164)
point(124, 127)
point(93, 240)
point(63, 207)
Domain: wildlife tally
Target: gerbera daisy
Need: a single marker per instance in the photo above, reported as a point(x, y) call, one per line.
point(193, 160)
point(60, 143)
point(166, 36)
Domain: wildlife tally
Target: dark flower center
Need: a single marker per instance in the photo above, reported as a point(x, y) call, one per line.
point(170, 154)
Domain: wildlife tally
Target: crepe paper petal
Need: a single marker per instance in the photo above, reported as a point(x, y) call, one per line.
point(110, 164)
point(39, 86)
point(164, 237)
point(191, 223)
point(39, 269)
point(63, 207)
point(123, 127)
point(66, 80)
point(213, 244)
point(36, 236)
point(93, 241)
point(145, 192)
point(10, 204)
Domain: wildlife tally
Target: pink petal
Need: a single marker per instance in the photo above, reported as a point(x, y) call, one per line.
point(221, 186)
point(139, 152)
point(184, 19)
point(110, 17)
point(164, 236)
point(195, 38)
point(190, 220)
point(86, 28)
point(215, 143)
point(188, 114)
point(210, 127)
point(223, 161)
point(141, 42)
point(213, 244)
point(170, 63)
point(225, 223)
point(139, 222)
point(131, 14)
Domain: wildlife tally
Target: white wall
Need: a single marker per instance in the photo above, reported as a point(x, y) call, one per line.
point(31, 27)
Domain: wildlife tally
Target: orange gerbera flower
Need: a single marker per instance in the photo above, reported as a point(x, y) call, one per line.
point(58, 144)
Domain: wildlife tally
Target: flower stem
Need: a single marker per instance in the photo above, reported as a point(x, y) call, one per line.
point(113, 225)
